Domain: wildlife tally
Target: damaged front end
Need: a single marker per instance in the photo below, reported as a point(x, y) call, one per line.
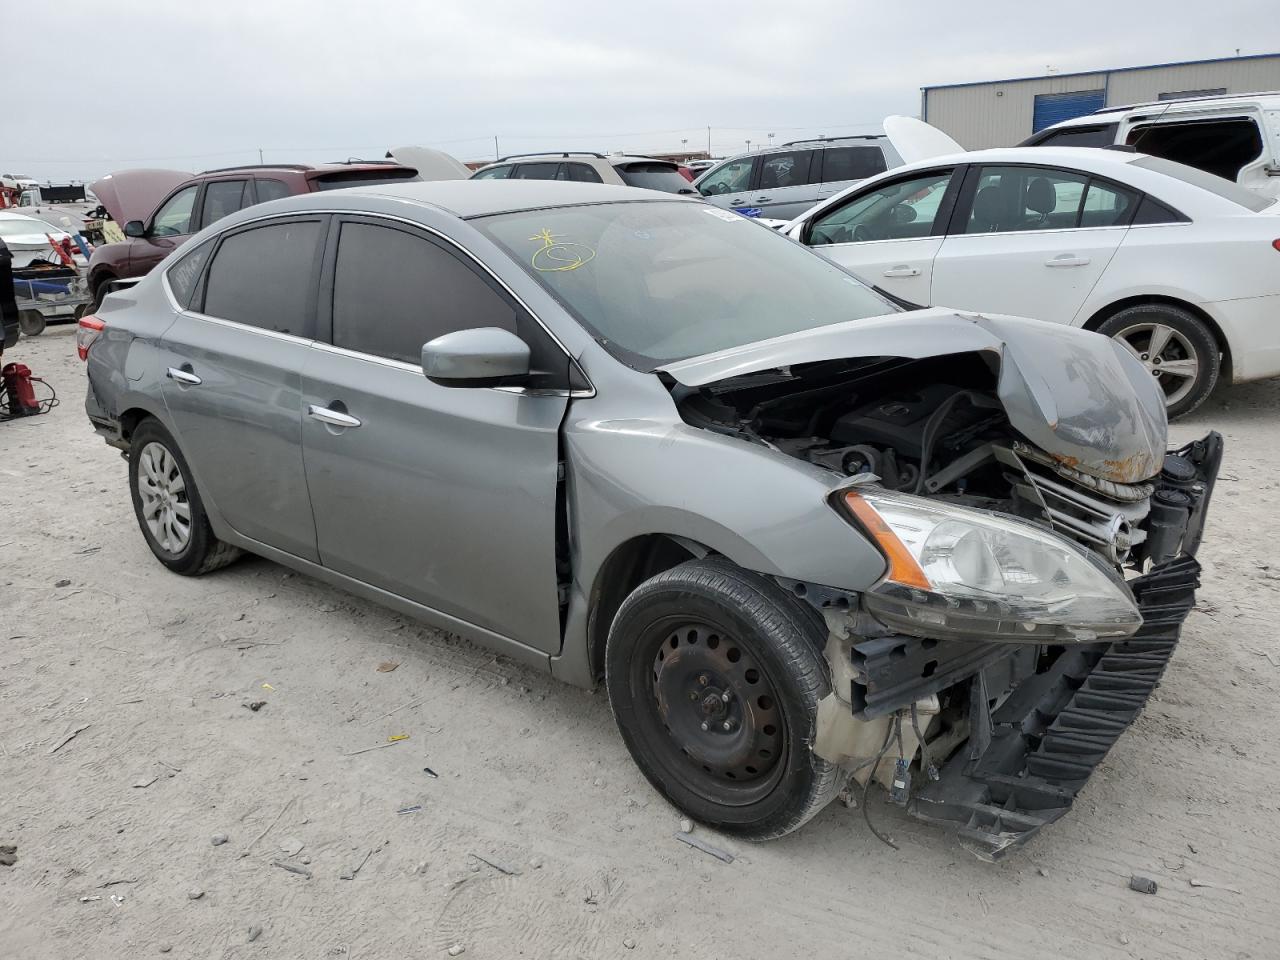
point(1039, 543)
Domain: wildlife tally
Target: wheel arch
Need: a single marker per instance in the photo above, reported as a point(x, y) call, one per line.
point(1110, 310)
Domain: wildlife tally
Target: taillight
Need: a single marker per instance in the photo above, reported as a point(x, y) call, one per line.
point(1276, 244)
point(87, 331)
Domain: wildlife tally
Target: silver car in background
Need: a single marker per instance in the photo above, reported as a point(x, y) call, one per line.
point(801, 535)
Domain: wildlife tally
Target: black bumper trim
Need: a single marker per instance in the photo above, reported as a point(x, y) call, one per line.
point(1057, 726)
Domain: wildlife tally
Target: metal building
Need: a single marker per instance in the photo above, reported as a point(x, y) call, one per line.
point(1001, 113)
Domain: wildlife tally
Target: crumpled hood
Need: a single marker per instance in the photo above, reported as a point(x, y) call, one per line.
point(135, 194)
point(1079, 396)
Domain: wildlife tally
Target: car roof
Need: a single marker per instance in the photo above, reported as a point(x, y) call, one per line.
point(580, 156)
point(482, 198)
point(1115, 114)
point(1095, 159)
point(336, 167)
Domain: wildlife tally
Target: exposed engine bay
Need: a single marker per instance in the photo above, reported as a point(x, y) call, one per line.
point(997, 731)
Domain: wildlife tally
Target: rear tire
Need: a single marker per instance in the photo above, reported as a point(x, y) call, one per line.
point(1183, 343)
point(714, 675)
point(31, 323)
point(168, 506)
point(100, 292)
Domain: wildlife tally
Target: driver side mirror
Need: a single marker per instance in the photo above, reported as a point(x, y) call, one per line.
point(135, 229)
point(479, 357)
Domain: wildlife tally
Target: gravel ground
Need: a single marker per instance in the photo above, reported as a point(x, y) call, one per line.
point(511, 820)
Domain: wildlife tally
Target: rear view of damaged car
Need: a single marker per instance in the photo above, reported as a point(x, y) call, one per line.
point(801, 535)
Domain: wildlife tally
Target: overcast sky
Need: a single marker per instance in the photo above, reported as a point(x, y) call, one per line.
point(193, 85)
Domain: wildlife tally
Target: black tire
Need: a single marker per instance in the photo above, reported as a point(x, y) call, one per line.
point(1192, 340)
point(100, 292)
point(31, 323)
point(703, 613)
point(201, 552)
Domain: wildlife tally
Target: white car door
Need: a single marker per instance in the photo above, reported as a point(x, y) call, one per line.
point(1031, 241)
point(889, 233)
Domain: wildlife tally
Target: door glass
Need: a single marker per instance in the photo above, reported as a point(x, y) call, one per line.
point(535, 171)
point(653, 175)
point(394, 290)
point(1101, 135)
point(221, 198)
point(1220, 147)
point(184, 274)
point(1013, 199)
point(271, 190)
point(897, 211)
point(580, 173)
point(732, 177)
point(264, 277)
point(1107, 205)
point(851, 163)
point(779, 170)
point(493, 173)
point(174, 218)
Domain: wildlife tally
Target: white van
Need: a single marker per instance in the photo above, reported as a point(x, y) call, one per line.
point(1235, 136)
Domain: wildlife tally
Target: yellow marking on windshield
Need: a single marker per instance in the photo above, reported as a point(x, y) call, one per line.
point(558, 256)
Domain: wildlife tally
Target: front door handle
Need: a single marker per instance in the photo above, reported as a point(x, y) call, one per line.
point(903, 271)
point(1067, 260)
point(763, 199)
point(185, 377)
point(335, 418)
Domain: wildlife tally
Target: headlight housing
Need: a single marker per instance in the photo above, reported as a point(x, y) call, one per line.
point(979, 575)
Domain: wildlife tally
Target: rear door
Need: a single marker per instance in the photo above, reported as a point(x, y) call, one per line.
point(223, 198)
point(787, 183)
point(443, 495)
point(844, 166)
point(889, 233)
point(1031, 241)
point(234, 380)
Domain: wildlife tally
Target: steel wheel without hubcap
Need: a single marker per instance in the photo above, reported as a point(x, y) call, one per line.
point(1168, 355)
point(166, 509)
point(721, 715)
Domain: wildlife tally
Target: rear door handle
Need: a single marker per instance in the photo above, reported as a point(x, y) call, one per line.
point(335, 418)
point(763, 199)
point(1067, 260)
point(902, 272)
point(184, 377)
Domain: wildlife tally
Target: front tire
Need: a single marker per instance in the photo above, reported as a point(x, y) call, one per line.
point(714, 675)
point(168, 507)
point(31, 323)
point(1175, 346)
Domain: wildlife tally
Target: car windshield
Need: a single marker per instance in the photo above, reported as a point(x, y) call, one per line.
point(654, 176)
point(1207, 181)
point(656, 282)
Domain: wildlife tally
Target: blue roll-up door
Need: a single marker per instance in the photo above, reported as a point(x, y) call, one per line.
point(1053, 108)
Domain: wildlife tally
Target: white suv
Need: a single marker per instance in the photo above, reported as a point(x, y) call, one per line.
point(1233, 136)
point(586, 167)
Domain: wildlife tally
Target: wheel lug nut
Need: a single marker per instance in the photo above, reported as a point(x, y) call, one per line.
point(692, 695)
point(705, 726)
point(728, 725)
point(725, 696)
point(702, 679)
point(1144, 356)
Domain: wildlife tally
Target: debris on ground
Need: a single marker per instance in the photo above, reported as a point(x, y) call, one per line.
point(89, 899)
point(143, 782)
point(536, 863)
point(705, 847)
point(254, 841)
point(292, 868)
point(376, 746)
point(194, 894)
point(351, 874)
point(498, 865)
point(112, 883)
point(397, 737)
point(387, 666)
point(117, 899)
point(69, 737)
point(291, 846)
point(219, 839)
point(62, 583)
point(1213, 886)
point(166, 947)
point(255, 706)
point(457, 950)
point(431, 773)
point(629, 943)
point(686, 825)
point(8, 854)
point(1142, 884)
point(416, 808)
point(255, 932)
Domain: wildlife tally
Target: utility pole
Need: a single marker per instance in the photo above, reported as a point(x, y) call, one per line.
point(748, 146)
point(259, 156)
point(771, 139)
point(708, 141)
point(496, 154)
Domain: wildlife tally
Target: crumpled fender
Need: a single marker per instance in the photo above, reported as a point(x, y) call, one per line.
point(1079, 396)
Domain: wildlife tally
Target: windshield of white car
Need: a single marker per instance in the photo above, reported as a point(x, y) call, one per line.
point(657, 282)
point(1216, 185)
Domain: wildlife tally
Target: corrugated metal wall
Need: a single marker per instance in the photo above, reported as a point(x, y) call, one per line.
point(1001, 114)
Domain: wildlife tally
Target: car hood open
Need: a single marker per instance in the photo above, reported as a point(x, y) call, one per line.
point(1079, 396)
point(135, 194)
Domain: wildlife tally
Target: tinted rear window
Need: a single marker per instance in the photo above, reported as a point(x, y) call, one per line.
point(851, 163)
point(653, 176)
point(264, 277)
point(1206, 181)
point(362, 178)
point(1097, 135)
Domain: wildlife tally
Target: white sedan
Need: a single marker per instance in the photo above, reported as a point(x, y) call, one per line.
point(1181, 266)
point(28, 239)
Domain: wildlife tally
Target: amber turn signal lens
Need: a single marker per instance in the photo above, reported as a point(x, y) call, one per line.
point(902, 565)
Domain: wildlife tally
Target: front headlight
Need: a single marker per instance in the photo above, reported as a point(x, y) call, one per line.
point(975, 574)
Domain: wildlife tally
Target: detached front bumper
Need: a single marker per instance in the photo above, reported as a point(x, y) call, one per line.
point(1041, 719)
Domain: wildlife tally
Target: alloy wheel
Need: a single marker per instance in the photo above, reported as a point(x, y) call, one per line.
point(166, 509)
point(1167, 354)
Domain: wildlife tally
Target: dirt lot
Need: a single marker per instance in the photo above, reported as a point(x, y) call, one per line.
point(579, 858)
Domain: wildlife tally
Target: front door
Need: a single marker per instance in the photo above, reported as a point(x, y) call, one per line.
point(170, 226)
point(889, 234)
point(729, 184)
point(234, 380)
point(1030, 241)
point(443, 495)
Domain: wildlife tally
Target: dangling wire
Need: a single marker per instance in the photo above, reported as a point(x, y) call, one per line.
point(926, 761)
point(866, 787)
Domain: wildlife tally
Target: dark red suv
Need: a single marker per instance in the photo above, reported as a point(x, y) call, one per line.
point(190, 203)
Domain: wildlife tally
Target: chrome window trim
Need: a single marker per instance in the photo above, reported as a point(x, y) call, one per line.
point(590, 391)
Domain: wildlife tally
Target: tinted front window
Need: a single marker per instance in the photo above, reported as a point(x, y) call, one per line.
point(492, 173)
point(394, 290)
point(535, 171)
point(265, 277)
point(790, 169)
point(579, 173)
point(731, 177)
point(1206, 181)
point(851, 163)
point(271, 190)
point(1098, 135)
point(656, 282)
point(221, 198)
point(184, 274)
point(174, 218)
point(903, 210)
point(654, 176)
